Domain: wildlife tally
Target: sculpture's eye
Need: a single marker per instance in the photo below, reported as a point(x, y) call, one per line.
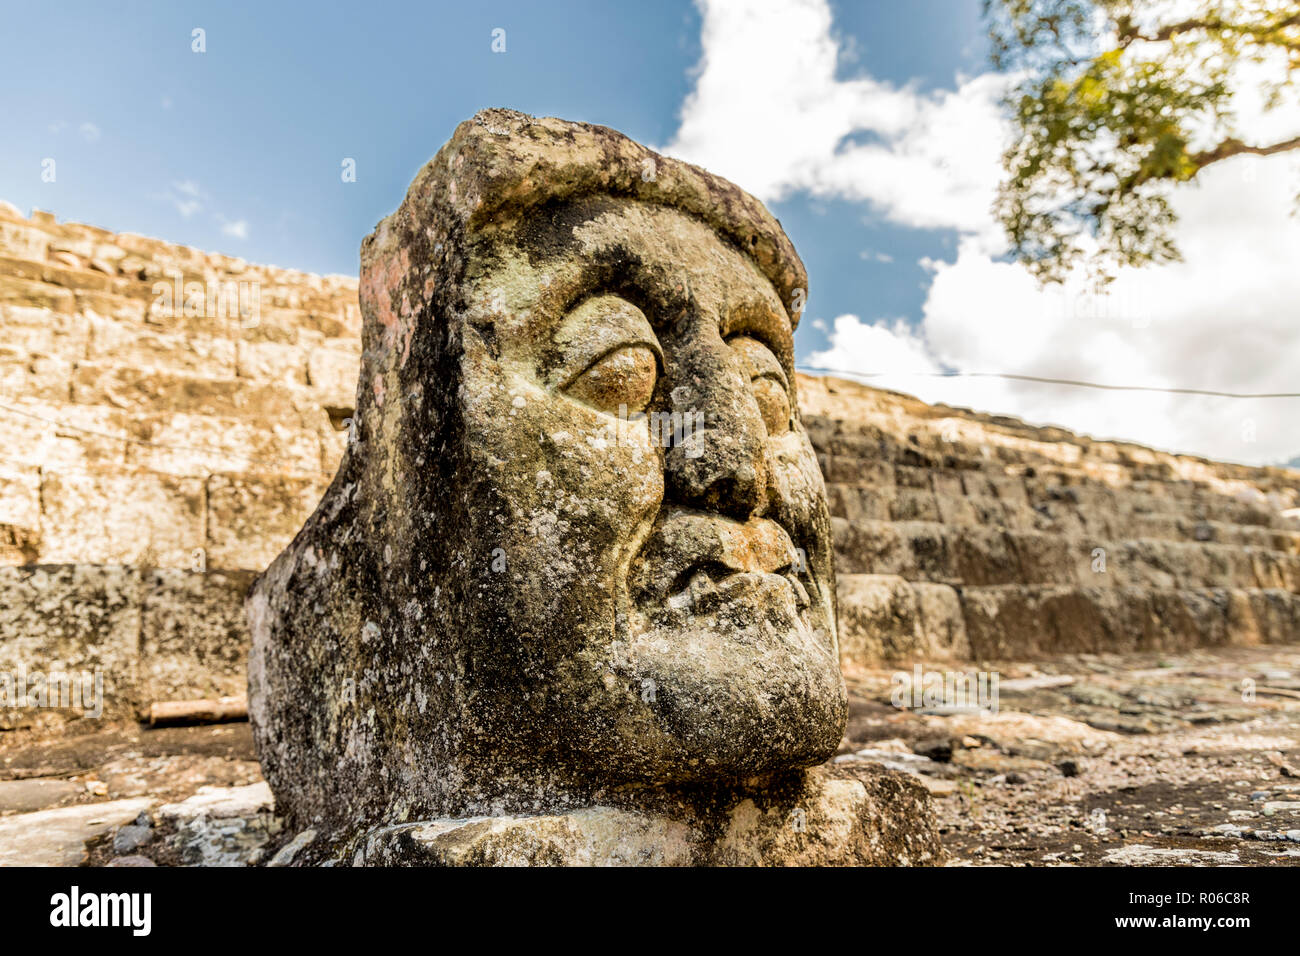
point(624, 377)
point(767, 379)
point(606, 355)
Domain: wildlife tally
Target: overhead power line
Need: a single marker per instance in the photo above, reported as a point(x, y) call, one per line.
point(820, 370)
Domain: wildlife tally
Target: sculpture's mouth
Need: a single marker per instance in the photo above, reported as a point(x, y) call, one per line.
point(698, 562)
point(706, 589)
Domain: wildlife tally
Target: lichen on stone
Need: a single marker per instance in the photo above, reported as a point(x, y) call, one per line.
point(541, 604)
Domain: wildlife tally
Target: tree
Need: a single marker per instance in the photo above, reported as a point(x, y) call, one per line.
point(1115, 102)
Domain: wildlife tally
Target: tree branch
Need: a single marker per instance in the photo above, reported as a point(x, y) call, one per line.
point(1234, 147)
point(1128, 31)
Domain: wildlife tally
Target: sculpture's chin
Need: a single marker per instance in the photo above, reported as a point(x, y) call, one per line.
point(745, 679)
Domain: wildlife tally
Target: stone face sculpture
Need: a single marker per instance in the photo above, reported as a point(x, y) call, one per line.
point(578, 552)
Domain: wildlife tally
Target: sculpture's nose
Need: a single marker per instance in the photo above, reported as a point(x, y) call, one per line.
point(718, 459)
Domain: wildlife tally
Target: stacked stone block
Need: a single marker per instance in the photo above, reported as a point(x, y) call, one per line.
point(961, 535)
point(158, 457)
point(173, 417)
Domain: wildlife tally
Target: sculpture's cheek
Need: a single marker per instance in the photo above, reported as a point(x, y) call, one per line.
point(796, 488)
point(581, 485)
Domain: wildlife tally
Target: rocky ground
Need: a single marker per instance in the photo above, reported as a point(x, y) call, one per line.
point(1187, 759)
point(128, 795)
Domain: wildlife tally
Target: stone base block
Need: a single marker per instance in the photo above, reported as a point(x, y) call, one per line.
point(830, 816)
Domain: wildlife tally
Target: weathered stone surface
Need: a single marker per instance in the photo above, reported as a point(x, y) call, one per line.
point(69, 621)
point(181, 444)
point(131, 837)
point(20, 514)
point(1031, 541)
point(943, 626)
point(884, 617)
point(153, 518)
point(140, 635)
point(332, 371)
point(271, 361)
point(833, 817)
point(250, 516)
point(992, 524)
point(131, 366)
point(114, 341)
point(944, 498)
point(66, 439)
point(220, 826)
point(26, 796)
point(519, 596)
point(879, 618)
point(58, 837)
point(1022, 621)
point(194, 639)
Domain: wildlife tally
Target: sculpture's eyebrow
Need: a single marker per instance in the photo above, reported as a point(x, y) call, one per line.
point(653, 288)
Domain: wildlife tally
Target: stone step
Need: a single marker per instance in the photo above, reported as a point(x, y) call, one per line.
point(1175, 527)
point(59, 435)
point(856, 502)
point(884, 618)
point(148, 634)
point(1014, 621)
point(172, 634)
point(1060, 463)
point(49, 354)
point(288, 405)
point(1056, 466)
point(1088, 493)
point(977, 555)
point(944, 443)
point(120, 514)
point(884, 431)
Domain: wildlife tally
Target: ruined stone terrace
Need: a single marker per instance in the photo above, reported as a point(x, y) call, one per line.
point(162, 447)
point(165, 448)
point(960, 535)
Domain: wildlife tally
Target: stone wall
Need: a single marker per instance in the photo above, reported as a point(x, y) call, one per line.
point(961, 535)
point(173, 417)
point(162, 449)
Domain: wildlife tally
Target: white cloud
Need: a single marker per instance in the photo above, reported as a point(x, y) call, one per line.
point(894, 350)
point(1225, 319)
point(188, 198)
point(89, 131)
point(768, 112)
point(185, 196)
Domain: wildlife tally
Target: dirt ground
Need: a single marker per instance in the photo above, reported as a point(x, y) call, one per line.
point(1184, 759)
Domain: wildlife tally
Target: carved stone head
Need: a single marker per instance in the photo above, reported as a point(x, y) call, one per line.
point(578, 547)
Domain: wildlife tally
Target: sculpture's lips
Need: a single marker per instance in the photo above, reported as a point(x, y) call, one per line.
point(692, 556)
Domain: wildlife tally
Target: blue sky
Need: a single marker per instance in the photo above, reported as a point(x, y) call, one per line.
point(188, 146)
point(873, 129)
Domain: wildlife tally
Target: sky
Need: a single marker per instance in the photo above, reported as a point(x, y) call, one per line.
point(872, 129)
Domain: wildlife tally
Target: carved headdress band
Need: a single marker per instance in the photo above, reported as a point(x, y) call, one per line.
point(502, 164)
